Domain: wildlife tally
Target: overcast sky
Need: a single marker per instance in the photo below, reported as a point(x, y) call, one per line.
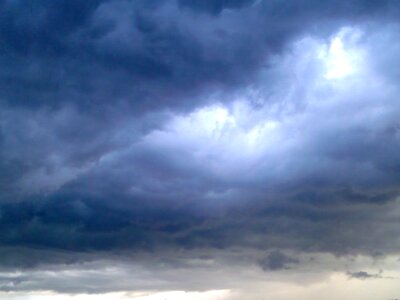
point(200, 149)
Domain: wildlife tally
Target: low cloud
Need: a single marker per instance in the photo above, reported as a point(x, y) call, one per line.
point(364, 275)
point(277, 261)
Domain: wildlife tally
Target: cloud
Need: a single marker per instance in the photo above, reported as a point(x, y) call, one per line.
point(277, 261)
point(215, 7)
point(196, 180)
point(149, 55)
point(363, 275)
point(167, 127)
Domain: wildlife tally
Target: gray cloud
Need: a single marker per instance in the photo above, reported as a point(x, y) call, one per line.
point(277, 261)
point(166, 126)
point(363, 275)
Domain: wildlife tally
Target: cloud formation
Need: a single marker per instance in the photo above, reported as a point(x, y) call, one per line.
point(277, 261)
point(196, 136)
point(363, 275)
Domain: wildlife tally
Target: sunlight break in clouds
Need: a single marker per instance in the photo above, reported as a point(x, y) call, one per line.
point(239, 136)
point(342, 57)
point(173, 295)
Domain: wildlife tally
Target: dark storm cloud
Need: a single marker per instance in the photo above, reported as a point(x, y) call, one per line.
point(100, 149)
point(148, 54)
point(363, 275)
point(277, 261)
point(215, 7)
point(143, 54)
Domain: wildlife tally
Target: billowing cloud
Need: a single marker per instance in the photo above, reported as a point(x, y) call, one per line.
point(186, 141)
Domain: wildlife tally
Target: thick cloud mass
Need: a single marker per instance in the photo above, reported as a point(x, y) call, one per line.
point(196, 135)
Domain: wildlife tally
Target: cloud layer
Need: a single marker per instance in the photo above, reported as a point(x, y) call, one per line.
point(196, 136)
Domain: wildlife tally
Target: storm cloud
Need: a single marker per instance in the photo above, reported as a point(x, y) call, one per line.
point(181, 140)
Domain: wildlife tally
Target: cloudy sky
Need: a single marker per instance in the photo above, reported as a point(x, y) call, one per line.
point(199, 149)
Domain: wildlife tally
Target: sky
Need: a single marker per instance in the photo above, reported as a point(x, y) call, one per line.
point(199, 149)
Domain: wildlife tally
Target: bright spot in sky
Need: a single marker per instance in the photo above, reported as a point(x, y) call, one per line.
point(171, 295)
point(338, 62)
point(342, 58)
point(228, 140)
point(219, 129)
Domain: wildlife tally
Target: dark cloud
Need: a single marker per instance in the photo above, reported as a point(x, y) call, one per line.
point(363, 275)
point(88, 54)
point(163, 127)
point(148, 54)
point(215, 7)
point(277, 261)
